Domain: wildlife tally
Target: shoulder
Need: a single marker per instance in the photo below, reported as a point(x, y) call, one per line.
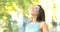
point(44, 27)
point(43, 24)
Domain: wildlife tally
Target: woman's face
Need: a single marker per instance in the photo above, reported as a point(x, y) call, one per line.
point(35, 10)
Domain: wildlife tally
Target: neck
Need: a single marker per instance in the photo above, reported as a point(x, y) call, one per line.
point(34, 19)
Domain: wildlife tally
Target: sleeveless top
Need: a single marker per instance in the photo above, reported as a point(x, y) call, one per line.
point(33, 27)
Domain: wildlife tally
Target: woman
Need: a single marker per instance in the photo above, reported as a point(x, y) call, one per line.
point(38, 21)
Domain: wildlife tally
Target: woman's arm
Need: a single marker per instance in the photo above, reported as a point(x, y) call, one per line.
point(44, 27)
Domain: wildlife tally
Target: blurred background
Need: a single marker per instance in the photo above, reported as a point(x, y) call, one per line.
point(13, 13)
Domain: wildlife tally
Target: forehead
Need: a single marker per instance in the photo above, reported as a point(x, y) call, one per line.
point(37, 7)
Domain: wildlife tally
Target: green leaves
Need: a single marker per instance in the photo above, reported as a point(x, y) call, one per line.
point(6, 8)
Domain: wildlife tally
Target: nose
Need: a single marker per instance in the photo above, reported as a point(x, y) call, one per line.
point(33, 9)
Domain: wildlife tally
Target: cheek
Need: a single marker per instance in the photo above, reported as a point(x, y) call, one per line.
point(34, 11)
point(37, 11)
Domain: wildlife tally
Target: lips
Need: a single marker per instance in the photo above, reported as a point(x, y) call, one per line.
point(32, 11)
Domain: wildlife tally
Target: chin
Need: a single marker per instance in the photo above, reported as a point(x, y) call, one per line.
point(32, 14)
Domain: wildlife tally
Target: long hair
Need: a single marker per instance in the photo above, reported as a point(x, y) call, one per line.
point(41, 15)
